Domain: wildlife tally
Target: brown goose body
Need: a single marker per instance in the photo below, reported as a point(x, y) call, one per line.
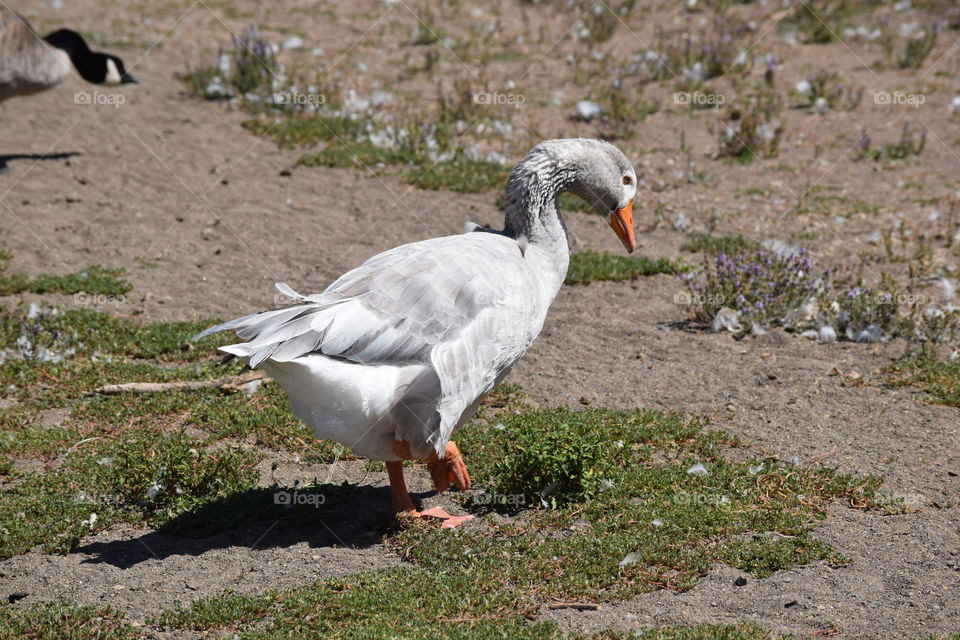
point(30, 63)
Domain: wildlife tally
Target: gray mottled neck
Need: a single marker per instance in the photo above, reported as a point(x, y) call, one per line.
point(531, 201)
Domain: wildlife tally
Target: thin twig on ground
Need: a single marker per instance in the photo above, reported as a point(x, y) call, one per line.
point(227, 383)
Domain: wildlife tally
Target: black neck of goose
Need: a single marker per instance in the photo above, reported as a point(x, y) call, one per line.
point(70, 41)
point(85, 61)
point(531, 200)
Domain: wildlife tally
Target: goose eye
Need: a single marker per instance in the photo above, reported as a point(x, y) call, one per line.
point(627, 180)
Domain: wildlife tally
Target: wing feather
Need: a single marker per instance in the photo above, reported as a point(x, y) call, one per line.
point(467, 305)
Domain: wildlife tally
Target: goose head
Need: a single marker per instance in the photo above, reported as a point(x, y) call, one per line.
point(605, 179)
point(94, 67)
point(594, 170)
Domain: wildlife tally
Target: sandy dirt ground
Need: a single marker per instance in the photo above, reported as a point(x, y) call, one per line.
point(199, 213)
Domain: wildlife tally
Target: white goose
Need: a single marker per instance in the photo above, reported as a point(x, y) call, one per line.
point(396, 354)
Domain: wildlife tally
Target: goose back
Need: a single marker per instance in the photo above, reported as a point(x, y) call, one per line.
point(27, 63)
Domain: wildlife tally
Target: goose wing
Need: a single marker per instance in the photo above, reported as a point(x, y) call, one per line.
point(27, 63)
point(468, 305)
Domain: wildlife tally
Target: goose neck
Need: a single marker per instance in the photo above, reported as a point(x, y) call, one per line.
point(531, 203)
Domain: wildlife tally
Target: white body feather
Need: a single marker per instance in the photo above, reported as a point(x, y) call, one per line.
point(343, 401)
point(405, 346)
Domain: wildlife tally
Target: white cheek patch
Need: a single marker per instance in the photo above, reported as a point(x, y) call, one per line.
point(113, 74)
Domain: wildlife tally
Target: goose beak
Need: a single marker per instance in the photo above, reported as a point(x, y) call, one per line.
point(621, 221)
point(126, 78)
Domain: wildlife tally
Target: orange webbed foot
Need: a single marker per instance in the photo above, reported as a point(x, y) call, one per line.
point(447, 521)
point(436, 514)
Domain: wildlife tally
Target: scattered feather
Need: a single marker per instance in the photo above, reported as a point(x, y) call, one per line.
point(698, 470)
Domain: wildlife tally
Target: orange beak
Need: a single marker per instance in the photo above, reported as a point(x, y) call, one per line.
point(621, 221)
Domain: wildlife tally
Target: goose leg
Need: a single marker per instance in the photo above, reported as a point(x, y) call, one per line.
point(398, 489)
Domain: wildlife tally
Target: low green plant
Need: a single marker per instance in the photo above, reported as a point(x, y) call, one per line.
point(940, 378)
point(460, 174)
point(553, 467)
point(915, 51)
point(822, 21)
point(827, 86)
point(713, 245)
point(622, 111)
point(92, 280)
point(61, 620)
point(249, 68)
point(904, 148)
point(752, 126)
point(767, 289)
point(353, 155)
point(587, 266)
point(295, 131)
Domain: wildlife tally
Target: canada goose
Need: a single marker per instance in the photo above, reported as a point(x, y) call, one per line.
point(30, 64)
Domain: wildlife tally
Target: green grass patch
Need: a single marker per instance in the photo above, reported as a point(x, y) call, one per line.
point(39, 333)
point(635, 501)
point(631, 502)
point(219, 611)
point(557, 457)
point(294, 132)
point(93, 279)
point(461, 174)
point(587, 266)
point(64, 621)
point(143, 476)
point(66, 454)
point(939, 378)
point(741, 631)
point(373, 605)
point(349, 149)
point(196, 81)
point(353, 155)
point(714, 245)
point(405, 603)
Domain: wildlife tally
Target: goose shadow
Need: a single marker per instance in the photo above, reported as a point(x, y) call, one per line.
point(4, 159)
point(273, 517)
point(687, 326)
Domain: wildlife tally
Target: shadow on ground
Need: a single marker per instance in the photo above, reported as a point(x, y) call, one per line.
point(36, 157)
point(326, 515)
